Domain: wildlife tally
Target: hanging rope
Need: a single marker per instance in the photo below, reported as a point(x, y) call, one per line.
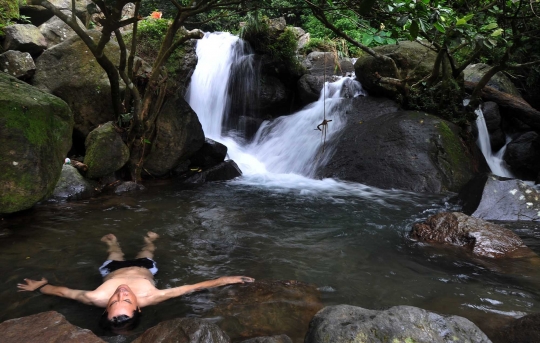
point(324, 123)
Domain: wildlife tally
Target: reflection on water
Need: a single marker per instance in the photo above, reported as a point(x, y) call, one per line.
point(351, 244)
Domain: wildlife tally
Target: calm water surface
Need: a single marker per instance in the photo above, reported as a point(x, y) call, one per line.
point(352, 245)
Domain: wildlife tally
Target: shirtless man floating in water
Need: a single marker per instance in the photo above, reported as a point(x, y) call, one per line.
point(127, 285)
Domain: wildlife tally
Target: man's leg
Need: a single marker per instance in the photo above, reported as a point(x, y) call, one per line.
point(115, 252)
point(149, 247)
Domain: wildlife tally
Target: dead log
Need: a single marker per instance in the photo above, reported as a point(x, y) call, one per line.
point(79, 165)
point(519, 108)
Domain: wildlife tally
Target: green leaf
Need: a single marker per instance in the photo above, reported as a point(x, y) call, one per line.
point(367, 39)
point(422, 25)
point(497, 32)
point(147, 141)
point(490, 26)
point(378, 39)
point(402, 21)
point(465, 19)
point(413, 30)
point(439, 27)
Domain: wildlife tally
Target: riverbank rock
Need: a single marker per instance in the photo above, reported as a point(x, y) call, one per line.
point(184, 330)
point(45, 327)
point(412, 59)
point(347, 324)
point(405, 150)
point(210, 154)
point(18, 64)
point(35, 136)
point(105, 151)
point(267, 307)
point(499, 81)
point(179, 135)
point(224, 171)
point(523, 156)
point(56, 31)
point(524, 329)
point(491, 197)
point(482, 238)
point(70, 71)
point(81, 10)
point(73, 186)
point(25, 38)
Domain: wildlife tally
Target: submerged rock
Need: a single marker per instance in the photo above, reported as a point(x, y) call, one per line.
point(184, 330)
point(491, 197)
point(482, 238)
point(347, 324)
point(73, 186)
point(271, 339)
point(267, 307)
point(45, 327)
point(35, 136)
point(128, 186)
point(524, 329)
point(105, 151)
point(405, 150)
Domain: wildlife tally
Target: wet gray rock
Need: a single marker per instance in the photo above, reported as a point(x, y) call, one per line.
point(56, 31)
point(25, 38)
point(524, 329)
point(321, 63)
point(490, 197)
point(492, 117)
point(482, 238)
point(45, 327)
point(179, 135)
point(475, 72)
point(128, 186)
point(73, 186)
point(224, 171)
point(404, 150)
point(105, 151)
point(309, 88)
point(211, 153)
point(185, 68)
point(184, 330)
point(271, 339)
point(346, 324)
point(523, 155)
point(18, 64)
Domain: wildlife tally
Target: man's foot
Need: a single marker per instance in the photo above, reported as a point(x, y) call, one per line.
point(109, 239)
point(150, 237)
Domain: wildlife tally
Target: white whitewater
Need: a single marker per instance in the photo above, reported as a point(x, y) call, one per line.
point(494, 160)
point(286, 151)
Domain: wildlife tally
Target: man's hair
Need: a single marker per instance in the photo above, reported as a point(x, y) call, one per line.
point(120, 323)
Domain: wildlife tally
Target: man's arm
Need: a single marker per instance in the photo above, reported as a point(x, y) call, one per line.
point(59, 291)
point(165, 294)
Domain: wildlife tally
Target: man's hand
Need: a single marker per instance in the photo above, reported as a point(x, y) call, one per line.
point(31, 285)
point(227, 280)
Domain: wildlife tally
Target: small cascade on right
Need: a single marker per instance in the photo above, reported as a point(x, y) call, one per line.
point(494, 160)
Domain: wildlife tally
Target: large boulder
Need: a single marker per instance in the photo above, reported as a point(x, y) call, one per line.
point(184, 330)
point(70, 71)
point(224, 171)
point(35, 136)
point(412, 59)
point(210, 154)
point(106, 152)
point(45, 327)
point(81, 8)
point(499, 81)
point(183, 64)
point(73, 186)
point(490, 197)
point(522, 330)
point(18, 64)
point(264, 308)
point(482, 238)
point(523, 155)
point(348, 324)
point(179, 135)
point(56, 31)
point(25, 38)
point(405, 150)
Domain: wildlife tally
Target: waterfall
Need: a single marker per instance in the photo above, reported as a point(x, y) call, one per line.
point(286, 148)
point(495, 161)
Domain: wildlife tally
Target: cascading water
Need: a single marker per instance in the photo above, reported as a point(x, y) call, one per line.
point(494, 160)
point(285, 151)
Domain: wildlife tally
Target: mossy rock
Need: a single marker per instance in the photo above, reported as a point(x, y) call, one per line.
point(105, 151)
point(35, 136)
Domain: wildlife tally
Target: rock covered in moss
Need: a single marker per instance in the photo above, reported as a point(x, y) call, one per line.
point(18, 64)
point(347, 324)
point(105, 151)
point(35, 136)
point(404, 150)
point(479, 236)
point(25, 38)
point(73, 186)
point(70, 71)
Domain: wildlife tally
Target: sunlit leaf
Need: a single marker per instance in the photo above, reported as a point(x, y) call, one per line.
point(439, 27)
point(378, 39)
point(367, 39)
point(490, 26)
point(497, 32)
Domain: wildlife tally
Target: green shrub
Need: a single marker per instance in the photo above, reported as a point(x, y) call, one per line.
point(9, 10)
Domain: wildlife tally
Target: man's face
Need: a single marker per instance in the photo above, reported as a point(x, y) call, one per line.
point(123, 301)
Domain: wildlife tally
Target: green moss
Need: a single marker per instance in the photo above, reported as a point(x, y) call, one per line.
point(9, 10)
